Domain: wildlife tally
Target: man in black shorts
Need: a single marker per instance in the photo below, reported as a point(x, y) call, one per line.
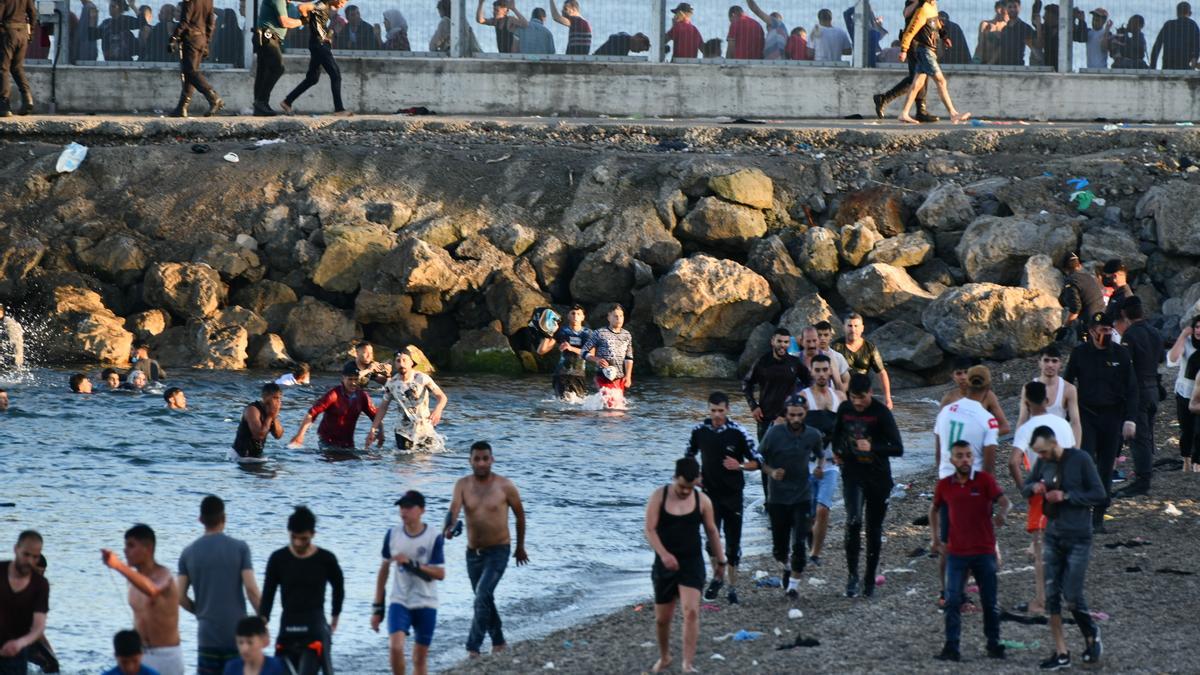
point(726, 450)
point(674, 516)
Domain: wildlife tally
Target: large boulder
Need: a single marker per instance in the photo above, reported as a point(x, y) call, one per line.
point(314, 329)
point(511, 238)
point(1106, 243)
point(242, 317)
point(186, 290)
point(637, 231)
point(221, 347)
point(231, 260)
point(485, 350)
point(770, 258)
point(991, 321)
point(512, 299)
point(1041, 275)
point(809, 311)
point(706, 304)
point(80, 328)
point(418, 267)
point(818, 255)
point(718, 223)
point(883, 291)
point(946, 207)
point(670, 362)
point(117, 258)
point(1177, 219)
point(750, 187)
point(883, 204)
point(856, 241)
point(352, 252)
point(17, 260)
point(906, 250)
point(268, 351)
point(550, 257)
point(606, 275)
point(994, 249)
point(757, 344)
point(907, 346)
point(1029, 197)
point(148, 323)
point(262, 295)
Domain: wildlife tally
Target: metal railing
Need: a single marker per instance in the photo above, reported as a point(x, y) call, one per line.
point(803, 33)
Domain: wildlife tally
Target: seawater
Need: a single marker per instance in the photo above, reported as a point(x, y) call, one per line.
point(82, 469)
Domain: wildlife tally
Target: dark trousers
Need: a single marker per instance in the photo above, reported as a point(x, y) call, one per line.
point(1102, 440)
point(270, 69)
point(727, 516)
point(869, 499)
point(485, 567)
point(1187, 429)
point(1143, 442)
point(15, 665)
point(763, 427)
point(983, 568)
point(789, 531)
point(1066, 562)
point(320, 57)
point(190, 57)
point(14, 39)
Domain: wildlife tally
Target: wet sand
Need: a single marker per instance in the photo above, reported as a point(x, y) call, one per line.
point(1150, 624)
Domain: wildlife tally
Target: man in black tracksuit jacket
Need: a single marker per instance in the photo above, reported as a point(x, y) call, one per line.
point(1108, 400)
point(1145, 347)
point(776, 375)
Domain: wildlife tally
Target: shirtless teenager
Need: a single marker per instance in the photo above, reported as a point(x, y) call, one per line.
point(1061, 396)
point(486, 497)
point(823, 401)
point(810, 341)
point(154, 599)
point(990, 403)
point(259, 419)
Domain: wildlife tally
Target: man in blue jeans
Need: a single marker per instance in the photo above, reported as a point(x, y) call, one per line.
point(486, 497)
point(1070, 485)
point(966, 498)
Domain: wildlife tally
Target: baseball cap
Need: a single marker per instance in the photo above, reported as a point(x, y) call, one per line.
point(350, 370)
point(1113, 266)
point(683, 7)
point(411, 498)
point(979, 376)
point(1100, 11)
point(1100, 319)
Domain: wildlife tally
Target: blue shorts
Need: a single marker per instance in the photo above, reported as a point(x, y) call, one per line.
point(927, 61)
point(825, 488)
point(421, 621)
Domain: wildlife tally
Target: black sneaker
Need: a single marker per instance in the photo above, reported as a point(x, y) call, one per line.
point(714, 588)
point(1094, 651)
point(868, 590)
point(995, 651)
point(732, 597)
point(924, 117)
point(1056, 662)
point(852, 587)
point(880, 104)
point(949, 653)
point(792, 594)
point(815, 561)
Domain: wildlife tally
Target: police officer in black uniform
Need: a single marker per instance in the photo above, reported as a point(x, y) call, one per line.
point(1082, 296)
point(192, 37)
point(1102, 371)
point(16, 23)
point(1145, 347)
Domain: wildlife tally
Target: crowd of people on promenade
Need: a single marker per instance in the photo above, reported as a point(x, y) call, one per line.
point(822, 416)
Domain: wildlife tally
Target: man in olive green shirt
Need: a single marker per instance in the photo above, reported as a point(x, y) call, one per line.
point(273, 24)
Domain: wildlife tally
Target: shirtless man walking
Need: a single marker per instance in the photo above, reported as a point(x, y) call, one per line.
point(823, 401)
point(486, 497)
point(154, 599)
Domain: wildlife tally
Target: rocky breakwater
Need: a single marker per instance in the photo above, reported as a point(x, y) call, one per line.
point(303, 247)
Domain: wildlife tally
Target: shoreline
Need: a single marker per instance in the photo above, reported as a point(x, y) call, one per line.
point(900, 629)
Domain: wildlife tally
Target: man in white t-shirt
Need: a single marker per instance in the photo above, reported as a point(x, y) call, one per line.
point(415, 552)
point(1098, 38)
point(1022, 459)
point(410, 390)
point(965, 420)
point(831, 42)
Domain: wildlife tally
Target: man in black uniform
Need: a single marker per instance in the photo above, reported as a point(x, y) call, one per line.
point(726, 450)
point(777, 375)
point(1108, 400)
point(1115, 276)
point(16, 23)
point(1145, 348)
point(929, 36)
point(193, 35)
point(1082, 296)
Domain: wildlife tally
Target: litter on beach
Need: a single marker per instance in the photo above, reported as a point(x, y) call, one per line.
point(231, 157)
point(1172, 510)
point(746, 635)
point(268, 141)
point(816, 581)
point(717, 657)
point(71, 157)
point(709, 608)
point(769, 582)
point(794, 613)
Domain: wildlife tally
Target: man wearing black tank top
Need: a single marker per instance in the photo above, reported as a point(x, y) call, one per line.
point(259, 419)
point(674, 516)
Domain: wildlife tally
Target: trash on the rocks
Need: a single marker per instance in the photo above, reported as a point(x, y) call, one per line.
point(1077, 184)
point(71, 157)
point(647, 645)
point(1017, 644)
point(1172, 510)
point(918, 552)
point(200, 148)
point(1111, 127)
point(268, 141)
point(708, 607)
point(567, 644)
point(499, 159)
point(549, 666)
point(231, 157)
point(760, 574)
point(717, 657)
point(1017, 570)
point(778, 632)
point(769, 582)
point(880, 580)
point(722, 638)
point(911, 592)
point(800, 641)
point(1098, 615)
point(816, 581)
point(921, 521)
point(1171, 570)
point(746, 635)
point(1132, 543)
point(1184, 124)
point(899, 570)
point(794, 613)
point(973, 589)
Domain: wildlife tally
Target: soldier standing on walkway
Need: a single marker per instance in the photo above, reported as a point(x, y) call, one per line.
point(192, 38)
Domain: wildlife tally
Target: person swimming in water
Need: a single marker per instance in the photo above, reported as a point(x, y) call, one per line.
point(3, 400)
point(410, 389)
point(12, 343)
point(175, 399)
point(80, 384)
point(111, 379)
point(300, 374)
point(135, 381)
point(259, 419)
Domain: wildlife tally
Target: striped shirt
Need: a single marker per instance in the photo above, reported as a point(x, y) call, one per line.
point(579, 36)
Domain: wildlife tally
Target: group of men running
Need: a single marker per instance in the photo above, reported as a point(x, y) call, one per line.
point(215, 579)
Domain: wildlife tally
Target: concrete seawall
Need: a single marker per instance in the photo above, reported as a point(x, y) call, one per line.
point(512, 87)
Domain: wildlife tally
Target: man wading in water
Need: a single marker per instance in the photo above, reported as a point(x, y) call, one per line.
point(259, 419)
point(486, 497)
